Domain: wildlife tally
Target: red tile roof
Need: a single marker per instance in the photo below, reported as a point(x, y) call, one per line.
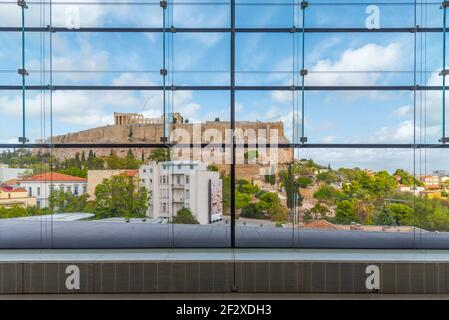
point(130, 173)
point(12, 189)
point(54, 176)
point(321, 224)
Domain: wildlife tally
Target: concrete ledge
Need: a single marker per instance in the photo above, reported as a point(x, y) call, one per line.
point(223, 271)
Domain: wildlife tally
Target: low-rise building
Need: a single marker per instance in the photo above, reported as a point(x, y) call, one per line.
point(11, 196)
point(431, 181)
point(174, 185)
point(41, 185)
point(415, 189)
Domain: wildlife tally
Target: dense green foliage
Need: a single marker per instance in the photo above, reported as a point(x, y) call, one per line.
point(184, 216)
point(61, 202)
point(268, 206)
point(118, 196)
point(373, 198)
point(407, 179)
point(77, 166)
point(17, 212)
point(160, 155)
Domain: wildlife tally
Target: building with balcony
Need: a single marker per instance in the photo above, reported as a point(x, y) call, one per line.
point(41, 186)
point(183, 184)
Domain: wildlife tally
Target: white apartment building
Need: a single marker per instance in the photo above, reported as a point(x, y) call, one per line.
point(41, 186)
point(183, 184)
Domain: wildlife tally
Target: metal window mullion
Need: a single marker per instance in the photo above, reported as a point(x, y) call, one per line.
point(303, 76)
point(164, 115)
point(23, 72)
point(223, 88)
point(225, 30)
point(232, 100)
point(443, 139)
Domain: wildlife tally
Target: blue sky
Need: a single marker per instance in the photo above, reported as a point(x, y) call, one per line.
point(261, 59)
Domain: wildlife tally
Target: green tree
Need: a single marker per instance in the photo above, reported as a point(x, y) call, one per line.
point(269, 203)
point(328, 194)
point(118, 196)
point(294, 198)
point(60, 201)
point(344, 213)
point(245, 186)
point(407, 179)
point(304, 182)
point(328, 177)
point(184, 216)
point(250, 211)
point(241, 199)
point(270, 178)
point(160, 155)
point(130, 162)
point(319, 209)
point(113, 162)
point(212, 167)
point(74, 171)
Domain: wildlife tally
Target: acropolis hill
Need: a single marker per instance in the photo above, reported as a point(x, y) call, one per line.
point(135, 128)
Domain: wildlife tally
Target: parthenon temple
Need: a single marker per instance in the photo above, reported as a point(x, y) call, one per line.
point(122, 119)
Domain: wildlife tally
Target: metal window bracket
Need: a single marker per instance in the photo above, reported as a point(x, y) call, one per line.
point(292, 88)
point(415, 87)
point(173, 88)
point(293, 29)
point(163, 4)
point(304, 72)
point(50, 29)
point(444, 140)
point(23, 140)
point(23, 72)
point(172, 29)
point(303, 139)
point(164, 139)
point(445, 4)
point(51, 88)
point(415, 29)
point(304, 4)
point(444, 72)
point(22, 3)
point(163, 72)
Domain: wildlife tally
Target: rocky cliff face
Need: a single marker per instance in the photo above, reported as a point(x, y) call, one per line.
point(209, 132)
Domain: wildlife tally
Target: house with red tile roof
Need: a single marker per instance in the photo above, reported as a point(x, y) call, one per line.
point(41, 185)
point(12, 196)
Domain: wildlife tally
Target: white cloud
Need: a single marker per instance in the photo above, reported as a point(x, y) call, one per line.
point(328, 139)
point(404, 133)
point(367, 58)
point(403, 111)
point(282, 96)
